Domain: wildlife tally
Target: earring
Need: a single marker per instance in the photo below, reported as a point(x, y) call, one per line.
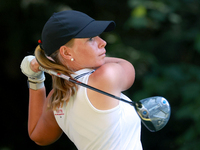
point(72, 59)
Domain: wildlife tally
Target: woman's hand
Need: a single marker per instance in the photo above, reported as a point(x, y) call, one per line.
point(30, 68)
point(34, 65)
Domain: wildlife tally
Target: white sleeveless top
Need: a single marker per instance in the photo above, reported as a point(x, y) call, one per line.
point(92, 129)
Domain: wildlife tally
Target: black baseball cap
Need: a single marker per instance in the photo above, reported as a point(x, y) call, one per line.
point(65, 25)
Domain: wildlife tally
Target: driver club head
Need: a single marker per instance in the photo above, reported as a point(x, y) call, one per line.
point(154, 112)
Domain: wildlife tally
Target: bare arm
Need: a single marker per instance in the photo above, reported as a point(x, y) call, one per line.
point(115, 76)
point(123, 70)
point(42, 126)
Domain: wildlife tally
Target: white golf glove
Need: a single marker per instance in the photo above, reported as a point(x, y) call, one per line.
point(35, 79)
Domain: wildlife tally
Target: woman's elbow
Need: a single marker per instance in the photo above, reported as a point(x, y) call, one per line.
point(39, 141)
point(42, 144)
point(44, 140)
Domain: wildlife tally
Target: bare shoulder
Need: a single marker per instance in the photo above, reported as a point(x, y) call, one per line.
point(107, 74)
point(120, 75)
point(111, 78)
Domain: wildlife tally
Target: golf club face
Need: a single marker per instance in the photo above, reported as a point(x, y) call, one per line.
point(154, 112)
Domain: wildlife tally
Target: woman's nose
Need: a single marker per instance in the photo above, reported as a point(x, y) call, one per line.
point(102, 43)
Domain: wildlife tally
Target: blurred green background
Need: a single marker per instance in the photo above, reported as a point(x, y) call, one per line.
point(161, 38)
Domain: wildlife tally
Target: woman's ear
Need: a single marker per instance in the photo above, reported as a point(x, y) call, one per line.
point(65, 52)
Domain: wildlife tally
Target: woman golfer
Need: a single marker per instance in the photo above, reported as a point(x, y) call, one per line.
point(71, 45)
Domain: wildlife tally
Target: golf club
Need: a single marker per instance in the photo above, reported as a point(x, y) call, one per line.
point(153, 111)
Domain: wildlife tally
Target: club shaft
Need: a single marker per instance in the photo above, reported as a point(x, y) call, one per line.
point(84, 85)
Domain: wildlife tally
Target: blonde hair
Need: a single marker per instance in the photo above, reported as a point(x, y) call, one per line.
point(63, 89)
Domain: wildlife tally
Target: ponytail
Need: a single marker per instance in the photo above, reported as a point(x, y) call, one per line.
point(63, 89)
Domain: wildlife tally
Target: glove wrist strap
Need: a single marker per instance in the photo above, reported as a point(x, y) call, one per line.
point(35, 85)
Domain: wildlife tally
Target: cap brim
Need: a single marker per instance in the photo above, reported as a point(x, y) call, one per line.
point(95, 28)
